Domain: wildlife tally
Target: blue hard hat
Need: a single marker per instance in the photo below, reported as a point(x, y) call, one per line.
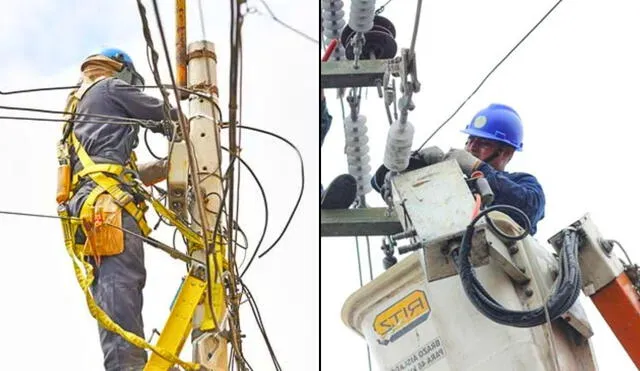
point(128, 72)
point(117, 55)
point(497, 122)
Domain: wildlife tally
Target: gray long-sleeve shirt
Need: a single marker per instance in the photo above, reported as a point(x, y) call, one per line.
point(103, 138)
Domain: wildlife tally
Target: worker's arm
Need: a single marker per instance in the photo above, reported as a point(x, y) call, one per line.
point(153, 172)
point(139, 105)
point(517, 189)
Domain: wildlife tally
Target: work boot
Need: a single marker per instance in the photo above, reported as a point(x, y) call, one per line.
point(340, 194)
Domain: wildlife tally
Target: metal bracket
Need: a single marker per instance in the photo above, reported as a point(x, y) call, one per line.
point(597, 266)
point(499, 251)
point(358, 222)
point(178, 179)
point(342, 74)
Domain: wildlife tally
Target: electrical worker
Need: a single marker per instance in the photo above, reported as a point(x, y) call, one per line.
point(101, 155)
point(495, 133)
point(341, 192)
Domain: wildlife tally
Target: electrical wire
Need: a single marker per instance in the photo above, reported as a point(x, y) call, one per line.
point(236, 227)
point(33, 90)
point(362, 284)
point(258, 317)
point(152, 242)
point(235, 33)
point(489, 74)
point(42, 119)
point(191, 91)
point(153, 63)
point(615, 242)
point(146, 143)
point(239, 145)
point(273, 16)
point(295, 208)
point(18, 213)
point(124, 120)
point(416, 26)
point(382, 7)
point(266, 210)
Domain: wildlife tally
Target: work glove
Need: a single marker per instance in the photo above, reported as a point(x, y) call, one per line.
point(468, 162)
point(431, 155)
point(425, 157)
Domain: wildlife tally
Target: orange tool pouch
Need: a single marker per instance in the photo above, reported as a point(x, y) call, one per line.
point(103, 229)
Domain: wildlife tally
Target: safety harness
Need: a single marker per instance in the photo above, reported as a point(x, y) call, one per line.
point(109, 178)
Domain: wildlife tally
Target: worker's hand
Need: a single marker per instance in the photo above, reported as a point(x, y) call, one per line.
point(167, 129)
point(153, 172)
point(468, 162)
point(176, 124)
point(431, 155)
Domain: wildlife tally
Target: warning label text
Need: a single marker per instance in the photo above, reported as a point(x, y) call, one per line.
point(422, 358)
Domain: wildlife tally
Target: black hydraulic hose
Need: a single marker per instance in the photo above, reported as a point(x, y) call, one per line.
point(569, 281)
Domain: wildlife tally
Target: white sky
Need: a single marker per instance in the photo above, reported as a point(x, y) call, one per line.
point(573, 82)
point(44, 318)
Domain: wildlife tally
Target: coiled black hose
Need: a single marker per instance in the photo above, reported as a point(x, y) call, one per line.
point(569, 280)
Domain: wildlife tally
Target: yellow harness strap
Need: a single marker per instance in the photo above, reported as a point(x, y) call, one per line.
point(84, 275)
point(106, 183)
point(98, 172)
point(74, 98)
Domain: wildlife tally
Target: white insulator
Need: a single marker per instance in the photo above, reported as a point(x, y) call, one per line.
point(332, 24)
point(332, 19)
point(361, 15)
point(357, 152)
point(354, 150)
point(398, 149)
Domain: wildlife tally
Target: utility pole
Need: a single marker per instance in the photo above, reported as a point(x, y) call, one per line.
point(209, 347)
point(195, 193)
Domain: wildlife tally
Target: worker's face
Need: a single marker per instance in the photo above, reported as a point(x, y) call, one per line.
point(481, 148)
point(485, 149)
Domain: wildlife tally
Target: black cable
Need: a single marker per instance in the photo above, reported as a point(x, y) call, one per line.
point(273, 16)
point(489, 74)
point(17, 213)
point(256, 314)
point(162, 86)
point(301, 184)
point(234, 35)
point(10, 92)
point(266, 210)
point(239, 145)
point(215, 233)
point(125, 120)
point(153, 243)
point(154, 60)
point(146, 143)
point(42, 119)
point(567, 289)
